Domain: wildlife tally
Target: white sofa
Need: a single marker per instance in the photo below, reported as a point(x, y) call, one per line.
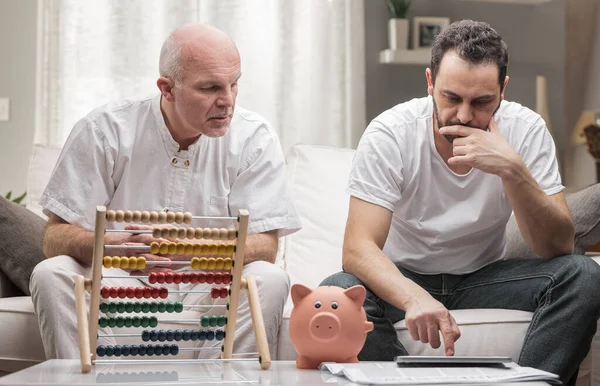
point(317, 177)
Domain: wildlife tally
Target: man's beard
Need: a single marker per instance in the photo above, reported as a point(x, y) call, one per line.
point(450, 138)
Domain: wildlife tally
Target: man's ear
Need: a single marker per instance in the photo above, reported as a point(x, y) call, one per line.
point(429, 78)
point(165, 85)
point(504, 87)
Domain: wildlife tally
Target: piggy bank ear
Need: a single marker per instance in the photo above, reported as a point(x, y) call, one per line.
point(299, 292)
point(357, 294)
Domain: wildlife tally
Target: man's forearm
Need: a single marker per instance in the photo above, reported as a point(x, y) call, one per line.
point(261, 247)
point(71, 240)
point(546, 227)
point(371, 266)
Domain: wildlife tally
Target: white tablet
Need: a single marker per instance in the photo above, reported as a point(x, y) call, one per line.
point(458, 361)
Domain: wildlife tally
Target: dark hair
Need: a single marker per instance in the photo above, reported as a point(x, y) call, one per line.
point(473, 41)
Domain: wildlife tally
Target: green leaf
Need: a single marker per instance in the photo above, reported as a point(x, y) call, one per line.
point(398, 9)
point(8, 195)
point(20, 198)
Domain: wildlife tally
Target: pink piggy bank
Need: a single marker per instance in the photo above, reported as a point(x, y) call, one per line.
point(328, 324)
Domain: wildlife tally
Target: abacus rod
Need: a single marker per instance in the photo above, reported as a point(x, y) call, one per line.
point(137, 277)
point(138, 335)
point(186, 306)
point(166, 361)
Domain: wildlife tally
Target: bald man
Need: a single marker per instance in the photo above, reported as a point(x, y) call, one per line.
point(191, 149)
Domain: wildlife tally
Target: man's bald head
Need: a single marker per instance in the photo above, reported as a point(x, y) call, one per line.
point(191, 45)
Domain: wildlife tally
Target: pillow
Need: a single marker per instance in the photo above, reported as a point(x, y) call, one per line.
point(41, 165)
point(585, 211)
point(21, 234)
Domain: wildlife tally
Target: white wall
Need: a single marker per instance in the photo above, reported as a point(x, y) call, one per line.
point(18, 20)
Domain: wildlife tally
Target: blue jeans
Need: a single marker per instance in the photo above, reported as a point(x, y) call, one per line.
point(563, 293)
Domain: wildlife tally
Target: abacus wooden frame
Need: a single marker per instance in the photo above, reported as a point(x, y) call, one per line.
point(87, 329)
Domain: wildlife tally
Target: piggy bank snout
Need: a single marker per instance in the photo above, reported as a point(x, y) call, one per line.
point(325, 326)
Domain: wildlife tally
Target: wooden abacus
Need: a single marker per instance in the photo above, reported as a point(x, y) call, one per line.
point(227, 259)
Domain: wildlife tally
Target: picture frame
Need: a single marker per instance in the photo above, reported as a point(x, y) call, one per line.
point(425, 29)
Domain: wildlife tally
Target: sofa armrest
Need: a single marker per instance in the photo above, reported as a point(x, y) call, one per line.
point(7, 288)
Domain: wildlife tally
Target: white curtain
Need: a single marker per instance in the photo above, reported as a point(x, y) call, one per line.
point(302, 60)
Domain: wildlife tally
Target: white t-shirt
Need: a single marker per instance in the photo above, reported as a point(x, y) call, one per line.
point(122, 155)
point(444, 222)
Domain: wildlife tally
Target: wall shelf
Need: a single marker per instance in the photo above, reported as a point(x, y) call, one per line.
point(420, 56)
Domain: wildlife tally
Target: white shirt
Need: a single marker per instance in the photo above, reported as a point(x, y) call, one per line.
point(443, 222)
point(123, 156)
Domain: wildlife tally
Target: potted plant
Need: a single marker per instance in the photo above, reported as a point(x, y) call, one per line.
point(398, 24)
point(16, 200)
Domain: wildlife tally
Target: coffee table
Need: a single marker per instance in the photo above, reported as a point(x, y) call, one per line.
point(68, 372)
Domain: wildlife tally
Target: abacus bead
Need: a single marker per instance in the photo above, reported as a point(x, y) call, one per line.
point(222, 321)
point(203, 263)
point(110, 215)
point(100, 351)
point(160, 277)
point(139, 292)
point(154, 307)
point(190, 233)
point(162, 307)
point(177, 278)
point(154, 217)
point(218, 278)
point(134, 349)
point(197, 249)
point(154, 247)
point(177, 335)
point(222, 251)
point(224, 292)
point(116, 261)
point(164, 248)
point(207, 233)
point(185, 335)
point(178, 307)
point(228, 264)
point(205, 321)
point(112, 322)
point(230, 249)
point(201, 277)
point(194, 263)
point(109, 351)
point(103, 322)
point(105, 292)
point(132, 262)
point(155, 292)
point(129, 306)
point(147, 292)
point(152, 350)
point(117, 351)
point(214, 293)
point(194, 335)
point(145, 216)
point(162, 335)
point(226, 278)
point(213, 320)
point(170, 307)
point(163, 293)
point(122, 292)
point(211, 264)
point(153, 335)
point(219, 334)
point(172, 248)
point(180, 248)
point(107, 261)
point(130, 292)
point(173, 232)
point(174, 349)
point(179, 217)
point(166, 349)
point(170, 335)
point(141, 349)
point(124, 263)
point(128, 216)
point(210, 335)
point(198, 233)
point(162, 217)
point(121, 307)
point(125, 350)
point(156, 233)
point(137, 321)
point(120, 321)
point(144, 321)
point(136, 216)
point(104, 307)
point(210, 277)
point(168, 277)
point(214, 249)
point(153, 321)
point(185, 277)
point(231, 234)
point(119, 215)
point(165, 232)
point(181, 232)
point(187, 218)
point(137, 306)
point(202, 335)
point(145, 307)
point(141, 262)
point(193, 278)
point(152, 277)
point(170, 217)
point(114, 292)
point(128, 322)
point(188, 249)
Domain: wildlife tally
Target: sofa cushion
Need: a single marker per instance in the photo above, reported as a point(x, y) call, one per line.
point(41, 165)
point(21, 341)
point(317, 176)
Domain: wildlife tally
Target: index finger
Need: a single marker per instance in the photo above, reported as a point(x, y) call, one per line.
point(448, 336)
point(462, 131)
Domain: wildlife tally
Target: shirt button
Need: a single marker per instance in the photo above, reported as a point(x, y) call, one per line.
point(187, 162)
point(174, 161)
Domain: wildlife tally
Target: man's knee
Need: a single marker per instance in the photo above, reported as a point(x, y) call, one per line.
point(341, 279)
point(50, 272)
